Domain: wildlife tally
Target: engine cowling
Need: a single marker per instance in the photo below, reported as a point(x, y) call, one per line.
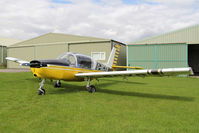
point(45, 63)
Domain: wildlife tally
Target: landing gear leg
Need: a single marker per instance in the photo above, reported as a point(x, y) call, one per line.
point(90, 88)
point(57, 84)
point(41, 90)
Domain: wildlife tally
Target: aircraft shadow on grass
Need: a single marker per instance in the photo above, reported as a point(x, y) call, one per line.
point(122, 81)
point(68, 88)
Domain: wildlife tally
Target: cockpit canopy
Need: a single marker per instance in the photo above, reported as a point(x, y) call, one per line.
point(78, 60)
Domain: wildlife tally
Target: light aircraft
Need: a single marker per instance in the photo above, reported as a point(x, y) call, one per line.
point(79, 67)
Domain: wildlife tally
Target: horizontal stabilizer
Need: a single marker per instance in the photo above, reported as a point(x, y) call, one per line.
point(128, 67)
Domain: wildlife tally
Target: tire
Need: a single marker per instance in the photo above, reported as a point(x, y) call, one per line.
point(43, 92)
point(92, 89)
point(57, 85)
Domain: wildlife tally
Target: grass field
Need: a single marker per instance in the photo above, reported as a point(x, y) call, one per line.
point(150, 105)
point(2, 67)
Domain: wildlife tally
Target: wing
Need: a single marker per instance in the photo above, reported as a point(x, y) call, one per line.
point(166, 71)
point(21, 62)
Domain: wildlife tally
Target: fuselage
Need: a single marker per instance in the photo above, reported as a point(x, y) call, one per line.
point(65, 67)
point(59, 72)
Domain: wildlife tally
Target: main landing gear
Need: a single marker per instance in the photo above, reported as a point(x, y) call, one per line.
point(41, 90)
point(90, 88)
point(57, 84)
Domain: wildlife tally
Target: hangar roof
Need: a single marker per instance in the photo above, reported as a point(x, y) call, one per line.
point(189, 35)
point(4, 41)
point(53, 38)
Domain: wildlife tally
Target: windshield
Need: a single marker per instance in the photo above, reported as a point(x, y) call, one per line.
point(69, 58)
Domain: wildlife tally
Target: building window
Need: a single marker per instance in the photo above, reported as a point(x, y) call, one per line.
point(98, 55)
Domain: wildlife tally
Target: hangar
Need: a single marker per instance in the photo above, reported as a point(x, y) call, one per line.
point(52, 45)
point(4, 43)
point(179, 48)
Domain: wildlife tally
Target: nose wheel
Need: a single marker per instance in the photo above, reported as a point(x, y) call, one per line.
point(42, 92)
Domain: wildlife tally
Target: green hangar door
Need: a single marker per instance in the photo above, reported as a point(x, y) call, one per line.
point(194, 57)
point(153, 56)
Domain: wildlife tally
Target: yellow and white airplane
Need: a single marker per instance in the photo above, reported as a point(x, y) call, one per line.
point(78, 67)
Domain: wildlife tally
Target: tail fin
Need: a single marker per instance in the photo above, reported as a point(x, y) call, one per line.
point(113, 58)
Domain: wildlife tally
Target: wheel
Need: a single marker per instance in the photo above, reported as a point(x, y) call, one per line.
point(92, 89)
point(42, 92)
point(56, 85)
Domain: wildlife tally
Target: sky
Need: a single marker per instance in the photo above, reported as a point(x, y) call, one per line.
point(121, 20)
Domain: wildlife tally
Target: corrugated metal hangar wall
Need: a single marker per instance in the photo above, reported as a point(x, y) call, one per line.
point(52, 45)
point(158, 56)
point(3, 54)
point(175, 49)
point(4, 43)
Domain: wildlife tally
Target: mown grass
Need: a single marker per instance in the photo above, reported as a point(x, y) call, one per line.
point(151, 104)
point(2, 67)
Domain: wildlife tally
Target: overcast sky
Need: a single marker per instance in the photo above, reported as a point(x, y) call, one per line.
point(121, 20)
